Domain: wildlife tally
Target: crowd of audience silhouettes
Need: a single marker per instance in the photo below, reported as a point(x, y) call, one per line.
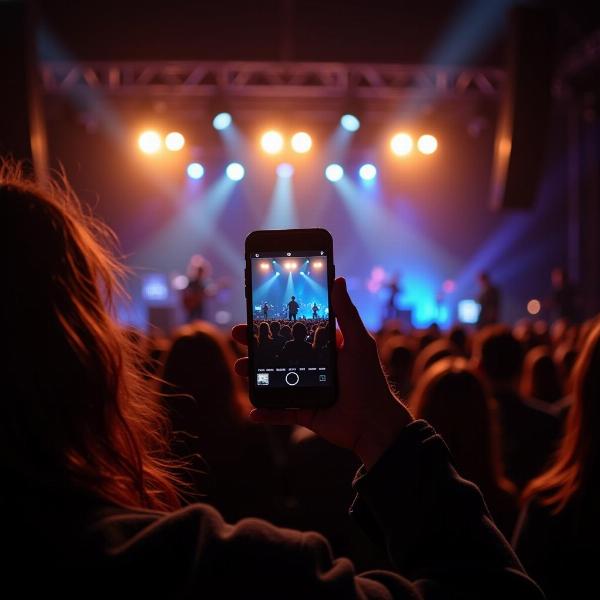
point(120, 454)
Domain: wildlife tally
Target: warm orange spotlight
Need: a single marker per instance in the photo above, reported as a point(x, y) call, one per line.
point(301, 142)
point(149, 142)
point(427, 144)
point(317, 265)
point(290, 266)
point(533, 307)
point(401, 144)
point(174, 141)
point(272, 142)
point(265, 266)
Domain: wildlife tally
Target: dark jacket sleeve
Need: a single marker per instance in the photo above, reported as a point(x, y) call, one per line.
point(434, 524)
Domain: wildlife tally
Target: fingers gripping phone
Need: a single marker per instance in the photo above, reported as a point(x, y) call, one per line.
point(291, 327)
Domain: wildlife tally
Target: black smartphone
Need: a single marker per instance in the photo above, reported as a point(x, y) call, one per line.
point(291, 327)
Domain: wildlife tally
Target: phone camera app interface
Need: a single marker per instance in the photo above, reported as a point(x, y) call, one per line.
point(290, 319)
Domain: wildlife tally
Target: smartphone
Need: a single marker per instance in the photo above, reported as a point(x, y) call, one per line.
point(291, 327)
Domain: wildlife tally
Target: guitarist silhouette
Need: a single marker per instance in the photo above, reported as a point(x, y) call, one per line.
point(199, 288)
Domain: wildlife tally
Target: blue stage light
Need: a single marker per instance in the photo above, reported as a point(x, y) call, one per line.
point(368, 172)
point(350, 122)
point(285, 170)
point(222, 121)
point(235, 171)
point(195, 170)
point(334, 172)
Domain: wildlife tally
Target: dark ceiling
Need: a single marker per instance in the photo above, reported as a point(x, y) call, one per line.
point(467, 32)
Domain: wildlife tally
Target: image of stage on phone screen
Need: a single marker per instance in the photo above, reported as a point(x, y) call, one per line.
point(291, 319)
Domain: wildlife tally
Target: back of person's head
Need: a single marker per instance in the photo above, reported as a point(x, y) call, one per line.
point(576, 466)
point(275, 327)
point(264, 333)
point(498, 354)
point(398, 357)
point(459, 338)
point(81, 414)
point(299, 331)
point(200, 363)
point(453, 398)
point(565, 357)
point(321, 337)
point(286, 332)
point(431, 354)
point(540, 378)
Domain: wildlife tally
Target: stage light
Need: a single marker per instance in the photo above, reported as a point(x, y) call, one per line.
point(174, 141)
point(284, 170)
point(195, 170)
point(290, 266)
point(334, 172)
point(427, 144)
point(350, 122)
point(317, 265)
point(534, 307)
point(272, 142)
point(265, 266)
point(367, 172)
point(235, 171)
point(222, 121)
point(401, 144)
point(448, 286)
point(149, 142)
point(301, 142)
point(180, 282)
point(468, 311)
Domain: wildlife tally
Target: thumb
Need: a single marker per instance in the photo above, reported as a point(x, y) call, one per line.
point(349, 320)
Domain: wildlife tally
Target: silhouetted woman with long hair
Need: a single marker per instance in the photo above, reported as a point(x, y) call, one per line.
point(231, 457)
point(453, 398)
point(89, 501)
point(559, 527)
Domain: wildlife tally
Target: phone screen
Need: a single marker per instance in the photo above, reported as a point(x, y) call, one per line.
point(291, 321)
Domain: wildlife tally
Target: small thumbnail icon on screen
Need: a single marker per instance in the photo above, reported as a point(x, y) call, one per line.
point(322, 377)
point(262, 379)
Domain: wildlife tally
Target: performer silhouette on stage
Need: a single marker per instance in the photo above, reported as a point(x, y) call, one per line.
point(265, 309)
point(293, 307)
point(489, 300)
point(315, 310)
point(391, 309)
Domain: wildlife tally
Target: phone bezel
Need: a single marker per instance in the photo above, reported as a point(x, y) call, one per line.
point(290, 240)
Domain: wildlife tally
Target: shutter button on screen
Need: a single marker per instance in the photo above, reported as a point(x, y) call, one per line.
point(292, 378)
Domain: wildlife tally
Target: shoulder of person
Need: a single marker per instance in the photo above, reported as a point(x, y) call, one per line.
point(195, 551)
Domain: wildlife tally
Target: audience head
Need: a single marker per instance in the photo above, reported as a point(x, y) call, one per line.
point(431, 354)
point(459, 339)
point(275, 327)
point(264, 333)
point(81, 413)
point(286, 332)
point(576, 467)
point(321, 338)
point(398, 356)
point(565, 357)
point(299, 332)
point(540, 377)
point(453, 398)
point(499, 355)
point(200, 363)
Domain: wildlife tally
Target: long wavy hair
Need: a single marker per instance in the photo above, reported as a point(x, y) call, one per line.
point(577, 462)
point(78, 413)
point(454, 399)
